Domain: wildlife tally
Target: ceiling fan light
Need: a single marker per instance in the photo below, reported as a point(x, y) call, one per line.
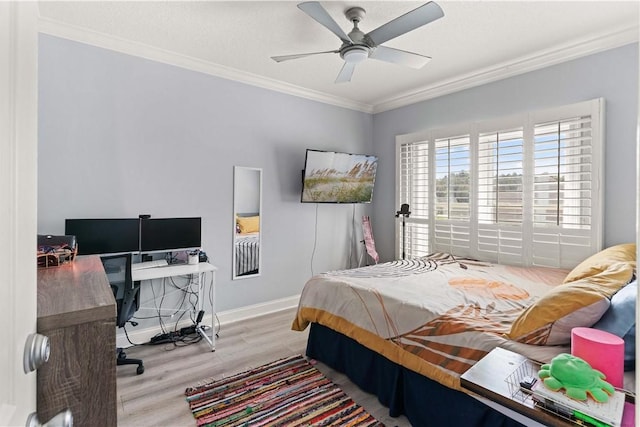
point(355, 56)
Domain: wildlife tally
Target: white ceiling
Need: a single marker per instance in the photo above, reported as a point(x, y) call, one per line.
point(475, 41)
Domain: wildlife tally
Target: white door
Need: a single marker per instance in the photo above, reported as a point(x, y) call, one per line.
point(18, 204)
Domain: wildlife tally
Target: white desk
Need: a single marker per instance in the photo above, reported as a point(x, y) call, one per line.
point(183, 270)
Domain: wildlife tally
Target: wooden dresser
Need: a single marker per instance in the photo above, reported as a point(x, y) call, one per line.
point(77, 311)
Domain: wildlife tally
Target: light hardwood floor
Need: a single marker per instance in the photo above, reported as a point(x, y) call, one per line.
point(156, 398)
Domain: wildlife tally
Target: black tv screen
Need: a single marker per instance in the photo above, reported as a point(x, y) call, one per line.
point(104, 236)
point(333, 177)
point(170, 234)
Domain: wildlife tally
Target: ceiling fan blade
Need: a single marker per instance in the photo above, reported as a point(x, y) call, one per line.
point(345, 74)
point(317, 12)
point(401, 57)
point(300, 55)
point(403, 24)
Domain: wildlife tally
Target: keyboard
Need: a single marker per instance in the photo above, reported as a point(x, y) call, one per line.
point(149, 264)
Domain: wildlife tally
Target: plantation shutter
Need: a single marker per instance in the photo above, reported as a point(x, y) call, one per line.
point(563, 191)
point(452, 194)
point(500, 196)
point(413, 184)
point(523, 190)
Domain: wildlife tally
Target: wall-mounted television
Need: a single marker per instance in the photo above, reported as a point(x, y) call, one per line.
point(104, 236)
point(170, 234)
point(334, 177)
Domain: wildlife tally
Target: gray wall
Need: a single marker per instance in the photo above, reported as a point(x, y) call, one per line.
point(612, 75)
point(121, 136)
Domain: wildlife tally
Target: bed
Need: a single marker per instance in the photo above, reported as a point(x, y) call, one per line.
point(407, 330)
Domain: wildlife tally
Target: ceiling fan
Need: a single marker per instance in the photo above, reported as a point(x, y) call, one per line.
point(357, 46)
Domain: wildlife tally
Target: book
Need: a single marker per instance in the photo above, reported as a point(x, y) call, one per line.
point(608, 413)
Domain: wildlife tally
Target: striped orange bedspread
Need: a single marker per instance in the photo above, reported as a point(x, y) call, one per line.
point(436, 316)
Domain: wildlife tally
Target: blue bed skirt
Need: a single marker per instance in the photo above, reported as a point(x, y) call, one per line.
point(423, 401)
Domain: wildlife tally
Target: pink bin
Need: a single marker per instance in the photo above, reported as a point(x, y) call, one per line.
point(602, 350)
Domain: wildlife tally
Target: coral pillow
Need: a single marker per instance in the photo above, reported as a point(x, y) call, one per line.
point(580, 303)
point(600, 261)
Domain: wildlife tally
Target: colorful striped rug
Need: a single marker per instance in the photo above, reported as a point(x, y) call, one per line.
point(288, 392)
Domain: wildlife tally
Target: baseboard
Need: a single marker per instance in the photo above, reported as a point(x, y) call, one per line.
point(224, 318)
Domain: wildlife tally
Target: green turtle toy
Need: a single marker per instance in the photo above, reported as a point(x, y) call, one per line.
point(577, 377)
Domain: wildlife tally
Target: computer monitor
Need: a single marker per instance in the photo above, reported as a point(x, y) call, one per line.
point(105, 236)
point(170, 234)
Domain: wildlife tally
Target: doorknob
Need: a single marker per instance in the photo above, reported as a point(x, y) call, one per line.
point(63, 419)
point(36, 352)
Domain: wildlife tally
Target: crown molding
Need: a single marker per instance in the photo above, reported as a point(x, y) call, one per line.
point(122, 45)
point(524, 64)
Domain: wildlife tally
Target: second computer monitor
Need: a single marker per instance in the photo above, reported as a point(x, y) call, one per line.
point(170, 234)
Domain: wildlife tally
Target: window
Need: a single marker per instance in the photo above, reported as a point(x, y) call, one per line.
point(521, 190)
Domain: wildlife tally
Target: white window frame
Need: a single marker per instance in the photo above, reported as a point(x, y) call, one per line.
point(564, 242)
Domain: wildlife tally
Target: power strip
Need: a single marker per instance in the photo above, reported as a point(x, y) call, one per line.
point(189, 330)
point(174, 336)
point(165, 338)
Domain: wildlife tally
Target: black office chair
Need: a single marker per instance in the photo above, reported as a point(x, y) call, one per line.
point(127, 295)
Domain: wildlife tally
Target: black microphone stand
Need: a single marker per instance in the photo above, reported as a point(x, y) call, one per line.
point(404, 212)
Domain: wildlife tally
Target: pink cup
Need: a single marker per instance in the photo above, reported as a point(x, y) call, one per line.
point(602, 350)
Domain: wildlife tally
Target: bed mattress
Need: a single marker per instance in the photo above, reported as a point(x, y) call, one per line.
point(434, 315)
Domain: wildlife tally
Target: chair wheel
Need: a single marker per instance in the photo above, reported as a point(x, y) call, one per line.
point(140, 370)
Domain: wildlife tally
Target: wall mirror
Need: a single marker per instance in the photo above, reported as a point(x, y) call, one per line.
point(247, 222)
